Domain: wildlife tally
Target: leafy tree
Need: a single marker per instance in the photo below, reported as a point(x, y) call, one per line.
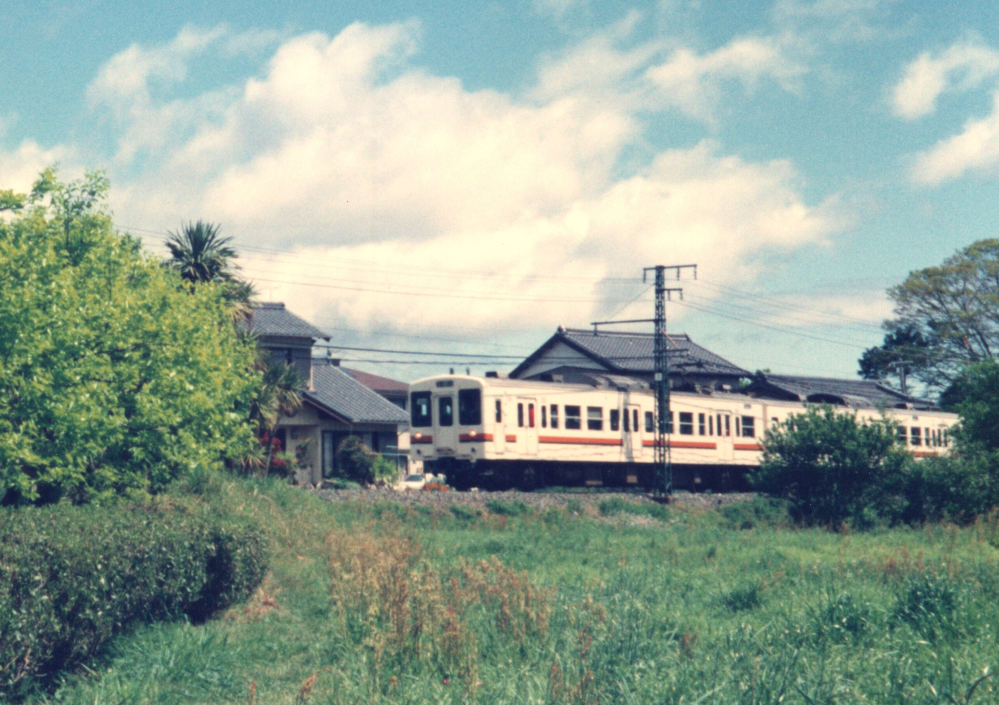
point(200, 254)
point(834, 469)
point(955, 310)
point(359, 463)
point(903, 350)
point(279, 395)
point(114, 379)
point(977, 387)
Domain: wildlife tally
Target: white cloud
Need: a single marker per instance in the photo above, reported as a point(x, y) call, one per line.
point(960, 67)
point(653, 76)
point(369, 174)
point(20, 167)
point(975, 148)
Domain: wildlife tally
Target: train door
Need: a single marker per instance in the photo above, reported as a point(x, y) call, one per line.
point(633, 433)
point(724, 435)
point(528, 417)
point(499, 424)
point(445, 430)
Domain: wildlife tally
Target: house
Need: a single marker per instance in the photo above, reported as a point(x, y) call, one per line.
point(334, 405)
point(395, 391)
point(854, 393)
point(576, 355)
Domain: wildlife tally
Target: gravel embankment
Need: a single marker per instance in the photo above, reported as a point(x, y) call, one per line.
point(536, 500)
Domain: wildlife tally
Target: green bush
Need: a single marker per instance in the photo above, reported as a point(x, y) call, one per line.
point(761, 512)
point(616, 505)
point(71, 578)
point(358, 463)
point(511, 509)
point(957, 488)
point(832, 469)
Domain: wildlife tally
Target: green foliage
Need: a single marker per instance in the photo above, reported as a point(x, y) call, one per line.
point(515, 508)
point(833, 469)
point(617, 505)
point(358, 463)
point(73, 577)
point(952, 308)
point(761, 512)
point(114, 378)
point(200, 255)
point(977, 389)
point(639, 615)
point(901, 353)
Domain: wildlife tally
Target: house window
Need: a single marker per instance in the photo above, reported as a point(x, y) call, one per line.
point(470, 407)
point(499, 411)
point(615, 420)
point(420, 414)
point(595, 418)
point(748, 427)
point(627, 422)
point(554, 415)
point(702, 427)
point(445, 411)
point(572, 417)
point(686, 423)
point(650, 422)
point(544, 416)
point(917, 436)
point(520, 415)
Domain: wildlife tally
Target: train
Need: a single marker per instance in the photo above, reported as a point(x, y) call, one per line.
point(500, 433)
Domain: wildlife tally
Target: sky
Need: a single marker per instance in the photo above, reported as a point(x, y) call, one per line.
point(459, 179)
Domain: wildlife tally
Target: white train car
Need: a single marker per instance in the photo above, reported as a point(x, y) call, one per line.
point(498, 433)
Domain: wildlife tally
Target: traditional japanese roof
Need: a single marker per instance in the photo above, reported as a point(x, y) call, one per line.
point(382, 385)
point(631, 353)
point(856, 393)
point(338, 393)
point(274, 320)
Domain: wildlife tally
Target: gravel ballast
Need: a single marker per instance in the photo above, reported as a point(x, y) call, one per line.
point(535, 500)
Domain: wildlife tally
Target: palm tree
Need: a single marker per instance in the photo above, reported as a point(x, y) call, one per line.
point(200, 255)
point(279, 395)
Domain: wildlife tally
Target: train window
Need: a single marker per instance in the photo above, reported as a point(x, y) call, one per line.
point(615, 420)
point(544, 416)
point(711, 425)
point(634, 419)
point(728, 427)
point(594, 418)
point(946, 440)
point(903, 434)
point(748, 427)
point(737, 429)
point(650, 422)
point(499, 411)
point(420, 409)
point(917, 436)
point(702, 427)
point(572, 419)
point(627, 422)
point(554, 415)
point(686, 423)
point(926, 435)
point(520, 415)
point(470, 407)
point(530, 415)
point(445, 411)
point(669, 424)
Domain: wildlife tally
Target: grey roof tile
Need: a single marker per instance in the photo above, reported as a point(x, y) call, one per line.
point(633, 352)
point(853, 392)
point(349, 399)
point(273, 319)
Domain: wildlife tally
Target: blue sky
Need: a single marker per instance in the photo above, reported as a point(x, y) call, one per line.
point(456, 177)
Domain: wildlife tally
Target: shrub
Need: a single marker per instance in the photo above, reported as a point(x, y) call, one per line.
point(763, 512)
point(511, 509)
point(617, 505)
point(73, 577)
point(833, 469)
point(957, 488)
point(358, 463)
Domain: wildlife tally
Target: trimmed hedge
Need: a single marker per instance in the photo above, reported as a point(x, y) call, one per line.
point(73, 577)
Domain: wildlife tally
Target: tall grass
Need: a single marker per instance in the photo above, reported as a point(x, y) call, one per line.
point(389, 604)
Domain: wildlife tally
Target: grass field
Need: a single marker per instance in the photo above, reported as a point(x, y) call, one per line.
point(383, 604)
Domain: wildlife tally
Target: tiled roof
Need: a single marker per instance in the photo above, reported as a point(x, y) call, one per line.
point(852, 392)
point(633, 352)
point(344, 396)
point(273, 319)
point(379, 384)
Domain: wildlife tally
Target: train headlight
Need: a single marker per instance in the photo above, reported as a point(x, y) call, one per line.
point(472, 433)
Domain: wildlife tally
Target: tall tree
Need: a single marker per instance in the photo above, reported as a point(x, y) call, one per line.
point(200, 254)
point(954, 309)
point(279, 395)
point(903, 350)
point(113, 378)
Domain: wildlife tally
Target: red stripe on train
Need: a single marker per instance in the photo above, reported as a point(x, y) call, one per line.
point(747, 446)
point(475, 437)
point(420, 438)
point(580, 441)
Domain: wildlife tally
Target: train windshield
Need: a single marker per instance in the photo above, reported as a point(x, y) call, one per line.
point(469, 407)
point(420, 405)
